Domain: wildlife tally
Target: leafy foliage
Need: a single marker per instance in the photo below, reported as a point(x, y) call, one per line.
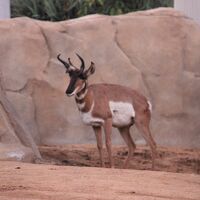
point(56, 10)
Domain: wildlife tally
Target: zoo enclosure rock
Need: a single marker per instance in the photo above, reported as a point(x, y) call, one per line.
point(155, 51)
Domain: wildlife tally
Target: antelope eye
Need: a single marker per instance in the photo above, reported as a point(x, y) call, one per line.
point(82, 77)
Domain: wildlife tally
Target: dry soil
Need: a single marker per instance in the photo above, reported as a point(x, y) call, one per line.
point(53, 180)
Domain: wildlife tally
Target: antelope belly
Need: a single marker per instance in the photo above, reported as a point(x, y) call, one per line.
point(123, 113)
point(91, 120)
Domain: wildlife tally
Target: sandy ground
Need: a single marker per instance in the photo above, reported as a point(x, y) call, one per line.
point(20, 181)
point(23, 181)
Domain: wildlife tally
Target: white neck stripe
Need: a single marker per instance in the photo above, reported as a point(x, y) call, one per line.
point(82, 95)
point(81, 105)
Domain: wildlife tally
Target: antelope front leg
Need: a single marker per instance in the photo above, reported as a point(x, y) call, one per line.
point(98, 134)
point(108, 131)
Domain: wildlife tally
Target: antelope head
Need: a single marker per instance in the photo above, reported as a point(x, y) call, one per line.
point(78, 76)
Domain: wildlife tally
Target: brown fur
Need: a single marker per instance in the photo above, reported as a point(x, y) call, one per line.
point(101, 95)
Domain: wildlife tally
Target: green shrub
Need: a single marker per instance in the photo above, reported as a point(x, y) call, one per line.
point(56, 10)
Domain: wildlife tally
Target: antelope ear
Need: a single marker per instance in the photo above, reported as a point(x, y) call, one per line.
point(90, 70)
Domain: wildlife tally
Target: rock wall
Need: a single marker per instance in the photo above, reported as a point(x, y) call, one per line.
point(155, 51)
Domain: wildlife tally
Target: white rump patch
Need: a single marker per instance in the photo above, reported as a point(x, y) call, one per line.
point(89, 119)
point(150, 106)
point(122, 113)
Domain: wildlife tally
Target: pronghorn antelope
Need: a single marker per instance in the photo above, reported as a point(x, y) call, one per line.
point(107, 105)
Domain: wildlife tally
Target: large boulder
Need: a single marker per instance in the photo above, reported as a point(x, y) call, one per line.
point(155, 52)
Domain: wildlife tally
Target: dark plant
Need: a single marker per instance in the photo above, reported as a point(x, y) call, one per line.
point(56, 10)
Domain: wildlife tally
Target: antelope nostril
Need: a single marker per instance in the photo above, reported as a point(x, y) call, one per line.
point(69, 91)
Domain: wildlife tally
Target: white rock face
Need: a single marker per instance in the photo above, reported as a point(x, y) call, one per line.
point(156, 52)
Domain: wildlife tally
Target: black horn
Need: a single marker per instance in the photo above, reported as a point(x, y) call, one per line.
point(82, 64)
point(70, 63)
point(63, 62)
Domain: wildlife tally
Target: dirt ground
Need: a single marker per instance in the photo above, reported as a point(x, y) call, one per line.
point(84, 180)
point(23, 181)
point(170, 159)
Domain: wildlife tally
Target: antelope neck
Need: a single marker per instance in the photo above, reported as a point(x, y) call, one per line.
point(82, 93)
point(83, 99)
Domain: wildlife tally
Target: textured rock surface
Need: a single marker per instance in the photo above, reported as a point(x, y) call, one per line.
point(155, 51)
point(15, 132)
